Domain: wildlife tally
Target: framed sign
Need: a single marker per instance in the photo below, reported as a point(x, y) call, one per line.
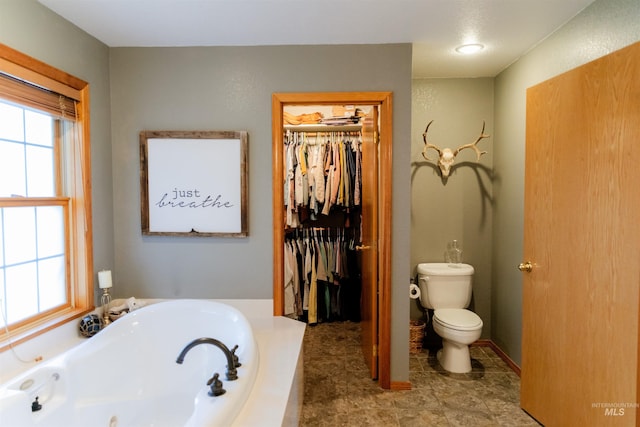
point(193, 183)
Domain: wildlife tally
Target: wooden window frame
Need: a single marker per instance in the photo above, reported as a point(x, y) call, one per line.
point(79, 235)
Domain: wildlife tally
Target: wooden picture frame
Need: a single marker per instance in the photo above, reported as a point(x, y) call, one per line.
point(193, 183)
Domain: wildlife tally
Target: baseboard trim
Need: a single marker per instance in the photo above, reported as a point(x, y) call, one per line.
point(501, 354)
point(400, 385)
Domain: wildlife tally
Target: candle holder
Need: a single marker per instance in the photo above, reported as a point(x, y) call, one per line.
point(105, 300)
point(105, 282)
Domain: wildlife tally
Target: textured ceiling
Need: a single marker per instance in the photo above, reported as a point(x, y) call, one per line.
point(507, 28)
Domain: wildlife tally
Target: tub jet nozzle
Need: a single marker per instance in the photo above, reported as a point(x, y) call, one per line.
point(36, 406)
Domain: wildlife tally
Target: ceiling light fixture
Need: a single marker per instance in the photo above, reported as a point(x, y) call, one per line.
point(469, 48)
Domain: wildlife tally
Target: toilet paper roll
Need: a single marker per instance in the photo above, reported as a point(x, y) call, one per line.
point(414, 291)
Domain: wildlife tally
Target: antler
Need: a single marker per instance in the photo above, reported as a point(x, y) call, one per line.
point(473, 144)
point(427, 145)
point(447, 156)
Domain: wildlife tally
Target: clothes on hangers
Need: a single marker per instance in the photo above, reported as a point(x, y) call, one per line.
point(321, 174)
point(322, 279)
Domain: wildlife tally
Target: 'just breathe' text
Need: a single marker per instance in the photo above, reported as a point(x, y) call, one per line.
point(185, 199)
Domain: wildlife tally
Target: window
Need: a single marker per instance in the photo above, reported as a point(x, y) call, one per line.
point(45, 201)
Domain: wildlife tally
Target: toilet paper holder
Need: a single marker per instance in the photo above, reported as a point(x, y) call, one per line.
point(414, 291)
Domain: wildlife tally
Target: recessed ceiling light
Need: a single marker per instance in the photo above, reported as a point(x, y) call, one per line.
point(469, 48)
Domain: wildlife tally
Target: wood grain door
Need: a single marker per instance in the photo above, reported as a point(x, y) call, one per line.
point(582, 236)
point(368, 250)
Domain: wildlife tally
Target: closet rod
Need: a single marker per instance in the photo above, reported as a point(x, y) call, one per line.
point(323, 128)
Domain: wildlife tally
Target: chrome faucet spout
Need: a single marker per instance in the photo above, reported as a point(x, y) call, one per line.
point(232, 373)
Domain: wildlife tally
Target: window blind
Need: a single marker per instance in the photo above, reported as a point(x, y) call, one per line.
point(23, 92)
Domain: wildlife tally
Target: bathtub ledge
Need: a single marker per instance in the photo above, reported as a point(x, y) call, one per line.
point(276, 399)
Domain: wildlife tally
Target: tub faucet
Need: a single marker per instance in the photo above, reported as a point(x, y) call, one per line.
point(232, 373)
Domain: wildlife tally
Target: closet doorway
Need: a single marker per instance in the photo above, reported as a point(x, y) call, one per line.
point(375, 246)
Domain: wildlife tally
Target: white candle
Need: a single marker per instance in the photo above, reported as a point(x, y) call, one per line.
point(104, 279)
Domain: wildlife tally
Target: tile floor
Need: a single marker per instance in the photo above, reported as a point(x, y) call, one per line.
point(338, 391)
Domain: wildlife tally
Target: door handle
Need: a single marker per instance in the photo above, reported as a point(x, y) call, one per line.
point(526, 266)
point(362, 248)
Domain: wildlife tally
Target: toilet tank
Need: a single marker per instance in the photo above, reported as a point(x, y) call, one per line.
point(445, 285)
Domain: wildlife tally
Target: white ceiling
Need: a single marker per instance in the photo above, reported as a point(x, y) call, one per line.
point(507, 28)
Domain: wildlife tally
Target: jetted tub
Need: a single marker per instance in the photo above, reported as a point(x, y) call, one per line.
point(127, 374)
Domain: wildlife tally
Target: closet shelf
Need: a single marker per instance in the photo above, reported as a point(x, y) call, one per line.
point(323, 128)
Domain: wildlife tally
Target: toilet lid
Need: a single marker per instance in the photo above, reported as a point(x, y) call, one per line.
point(457, 318)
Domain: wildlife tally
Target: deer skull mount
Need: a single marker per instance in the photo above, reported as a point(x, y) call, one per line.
point(447, 155)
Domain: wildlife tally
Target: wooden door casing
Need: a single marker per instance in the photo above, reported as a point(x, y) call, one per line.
point(385, 108)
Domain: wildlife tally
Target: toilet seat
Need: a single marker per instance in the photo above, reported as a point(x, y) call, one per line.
point(458, 319)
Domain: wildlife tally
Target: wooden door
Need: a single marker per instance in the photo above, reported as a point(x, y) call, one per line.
point(368, 250)
point(582, 236)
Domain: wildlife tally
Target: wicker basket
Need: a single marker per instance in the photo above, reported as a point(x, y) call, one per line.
point(416, 335)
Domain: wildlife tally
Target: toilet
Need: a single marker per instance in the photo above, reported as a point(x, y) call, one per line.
point(446, 288)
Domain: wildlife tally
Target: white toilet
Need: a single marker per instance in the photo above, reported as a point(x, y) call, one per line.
point(446, 288)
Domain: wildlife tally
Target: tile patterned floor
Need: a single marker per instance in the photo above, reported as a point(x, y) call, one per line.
point(338, 391)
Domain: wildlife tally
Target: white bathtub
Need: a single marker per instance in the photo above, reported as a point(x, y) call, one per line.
point(127, 374)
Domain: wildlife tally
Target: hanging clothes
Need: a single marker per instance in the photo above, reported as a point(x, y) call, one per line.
point(322, 174)
point(322, 279)
point(322, 197)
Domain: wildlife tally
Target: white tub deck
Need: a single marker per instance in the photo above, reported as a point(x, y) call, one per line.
point(278, 392)
point(276, 399)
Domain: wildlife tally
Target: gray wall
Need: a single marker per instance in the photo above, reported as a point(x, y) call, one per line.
point(459, 207)
point(36, 31)
point(603, 27)
point(230, 88)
